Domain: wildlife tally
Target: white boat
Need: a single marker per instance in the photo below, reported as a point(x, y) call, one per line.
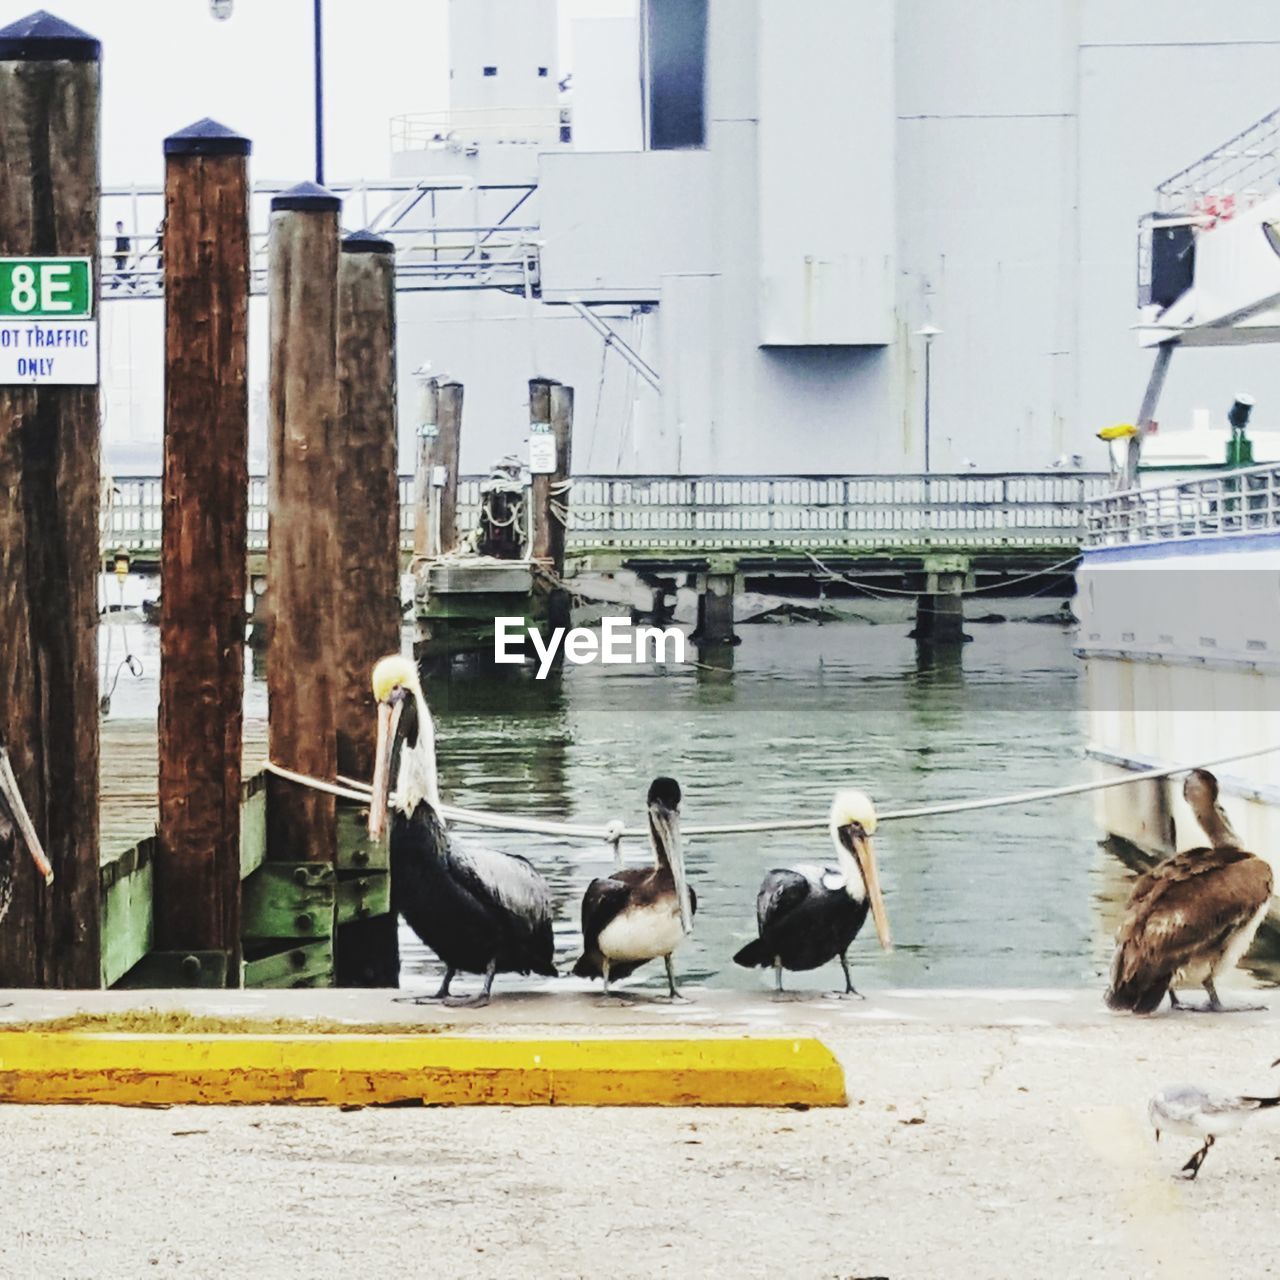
point(1179, 580)
point(1179, 607)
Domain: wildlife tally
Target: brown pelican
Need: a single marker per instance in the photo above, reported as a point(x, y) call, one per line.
point(636, 915)
point(479, 910)
point(809, 915)
point(16, 828)
point(1194, 1112)
point(1193, 916)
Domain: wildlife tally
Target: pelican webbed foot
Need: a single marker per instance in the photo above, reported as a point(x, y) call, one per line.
point(788, 997)
point(440, 997)
point(477, 1001)
point(480, 999)
point(1215, 1004)
point(850, 992)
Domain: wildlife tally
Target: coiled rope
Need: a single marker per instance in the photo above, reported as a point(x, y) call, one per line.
point(615, 831)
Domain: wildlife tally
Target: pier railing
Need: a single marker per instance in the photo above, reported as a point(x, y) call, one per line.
point(1228, 503)
point(682, 514)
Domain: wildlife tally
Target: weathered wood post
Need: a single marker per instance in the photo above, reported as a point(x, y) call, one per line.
point(204, 553)
point(49, 459)
point(424, 528)
point(302, 559)
point(551, 414)
point(365, 455)
point(448, 449)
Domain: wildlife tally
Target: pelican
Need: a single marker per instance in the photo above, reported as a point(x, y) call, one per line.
point(16, 826)
point(1194, 1112)
point(1191, 917)
point(636, 915)
point(479, 910)
point(808, 915)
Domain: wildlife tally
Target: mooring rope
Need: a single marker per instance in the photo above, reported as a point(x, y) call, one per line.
point(615, 830)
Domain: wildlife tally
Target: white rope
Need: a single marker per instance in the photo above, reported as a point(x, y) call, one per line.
point(875, 588)
point(614, 830)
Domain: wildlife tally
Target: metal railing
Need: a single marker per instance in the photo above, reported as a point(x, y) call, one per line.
point(685, 515)
point(536, 125)
point(1231, 177)
point(449, 233)
point(1222, 505)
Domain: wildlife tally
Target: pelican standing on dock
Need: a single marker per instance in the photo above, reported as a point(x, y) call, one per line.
point(479, 910)
point(809, 915)
point(16, 828)
point(639, 914)
point(1193, 916)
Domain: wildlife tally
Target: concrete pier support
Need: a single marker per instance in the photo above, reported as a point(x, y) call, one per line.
point(715, 608)
point(940, 610)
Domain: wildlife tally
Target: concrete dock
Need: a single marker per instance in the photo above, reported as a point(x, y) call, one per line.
point(989, 1134)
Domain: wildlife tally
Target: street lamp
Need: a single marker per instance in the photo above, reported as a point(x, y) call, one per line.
point(928, 332)
point(221, 10)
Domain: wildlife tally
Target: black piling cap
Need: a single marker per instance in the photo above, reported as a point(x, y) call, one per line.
point(308, 197)
point(207, 138)
point(40, 37)
point(366, 242)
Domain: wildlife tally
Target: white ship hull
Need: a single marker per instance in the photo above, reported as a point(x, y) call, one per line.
point(1179, 605)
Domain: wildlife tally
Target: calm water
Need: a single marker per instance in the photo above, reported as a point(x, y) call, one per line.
point(1012, 897)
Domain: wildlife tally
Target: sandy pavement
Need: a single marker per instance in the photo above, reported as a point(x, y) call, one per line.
point(984, 1138)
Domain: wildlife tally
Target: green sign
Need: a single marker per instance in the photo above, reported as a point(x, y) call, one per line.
point(46, 288)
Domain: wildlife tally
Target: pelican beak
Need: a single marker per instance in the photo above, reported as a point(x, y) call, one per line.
point(12, 797)
point(389, 713)
point(866, 856)
point(666, 830)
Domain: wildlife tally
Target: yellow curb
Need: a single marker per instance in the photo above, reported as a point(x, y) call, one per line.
point(342, 1070)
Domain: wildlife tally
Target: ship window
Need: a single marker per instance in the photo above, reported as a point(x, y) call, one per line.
point(542, 72)
point(491, 71)
point(676, 47)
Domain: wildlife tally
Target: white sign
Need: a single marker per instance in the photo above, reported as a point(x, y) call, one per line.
point(542, 453)
point(49, 353)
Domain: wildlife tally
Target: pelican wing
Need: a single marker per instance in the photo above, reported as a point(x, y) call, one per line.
point(782, 891)
point(605, 898)
point(506, 880)
point(1188, 906)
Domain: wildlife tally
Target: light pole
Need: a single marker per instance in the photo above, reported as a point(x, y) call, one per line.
point(221, 10)
point(928, 332)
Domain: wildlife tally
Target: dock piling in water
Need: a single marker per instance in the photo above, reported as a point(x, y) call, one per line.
point(302, 559)
point(366, 952)
point(50, 79)
point(204, 552)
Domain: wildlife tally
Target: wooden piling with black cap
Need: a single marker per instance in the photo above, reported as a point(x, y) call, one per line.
point(366, 951)
point(204, 540)
point(50, 83)
point(302, 555)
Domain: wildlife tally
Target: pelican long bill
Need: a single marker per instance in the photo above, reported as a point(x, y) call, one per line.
point(866, 855)
point(389, 713)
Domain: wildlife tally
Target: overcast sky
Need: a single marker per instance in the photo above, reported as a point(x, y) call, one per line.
point(167, 63)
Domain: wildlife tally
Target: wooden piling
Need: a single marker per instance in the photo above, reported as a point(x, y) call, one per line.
point(204, 553)
point(302, 561)
point(551, 412)
point(424, 527)
point(448, 448)
point(49, 486)
point(365, 453)
point(551, 409)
